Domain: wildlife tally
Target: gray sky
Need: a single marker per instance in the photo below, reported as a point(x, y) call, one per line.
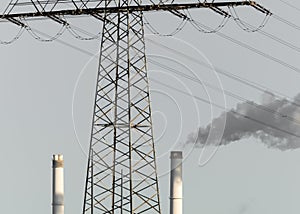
point(38, 82)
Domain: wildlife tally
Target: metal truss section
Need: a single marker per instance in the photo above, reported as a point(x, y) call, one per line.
point(42, 6)
point(59, 8)
point(121, 175)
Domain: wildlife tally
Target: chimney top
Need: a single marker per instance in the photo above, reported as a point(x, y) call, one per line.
point(176, 155)
point(58, 157)
point(58, 161)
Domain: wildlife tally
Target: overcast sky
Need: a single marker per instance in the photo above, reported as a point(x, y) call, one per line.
point(47, 94)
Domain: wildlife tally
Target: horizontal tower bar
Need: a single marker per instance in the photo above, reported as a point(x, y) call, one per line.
point(130, 9)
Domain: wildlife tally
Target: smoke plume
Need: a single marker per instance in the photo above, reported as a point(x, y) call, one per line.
point(276, 122)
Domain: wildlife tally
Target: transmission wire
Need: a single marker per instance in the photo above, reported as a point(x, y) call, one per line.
point(228, 110)
point(228, 74)
point(215, 88)
point(250, 28)
point(232, 76)
point(255, 50)
point(249, 83)
point(153, 30)
point(66, 43)
point(77, 36)
point(242, 24)
point(178, 90)
point(239, 113)
point(291, 24)
point(34, 34)
point(263, 89)
point(207, 30)
point(15, 38)
point(290, 5)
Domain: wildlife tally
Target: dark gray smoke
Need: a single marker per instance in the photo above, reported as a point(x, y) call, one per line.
point(277, 130)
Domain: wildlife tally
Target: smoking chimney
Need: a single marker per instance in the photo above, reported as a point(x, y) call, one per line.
point(57, 184)
point(176, 183)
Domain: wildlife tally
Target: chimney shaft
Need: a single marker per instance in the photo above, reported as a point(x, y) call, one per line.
point(176, 183)
point(57, 184)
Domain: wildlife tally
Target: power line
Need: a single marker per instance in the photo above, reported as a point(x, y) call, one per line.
point(153, 30)
point(240, 23)
point(228, 110)
point(198, 98)
point(197, 25)
point(250, 28)
point(228, 93)
point(234, 77)
point(285, 21)
point(244, 45)
point(183, 92)
point(227, 74)
point(225, 91)
point(290, 5)
point(39, 38)
point(186, 76)
point(291, 24)
point(178, 29)
point(64, 43)
point(294, 47)
point(15, 38)
point(71, 30)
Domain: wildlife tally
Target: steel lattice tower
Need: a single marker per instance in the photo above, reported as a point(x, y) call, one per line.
point(121, 173)
point(121, 170)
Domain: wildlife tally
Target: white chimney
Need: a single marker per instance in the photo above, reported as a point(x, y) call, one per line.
point(176, 183)
point(57, 184)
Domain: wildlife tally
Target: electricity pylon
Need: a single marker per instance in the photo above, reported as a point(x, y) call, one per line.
point(121, 172)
